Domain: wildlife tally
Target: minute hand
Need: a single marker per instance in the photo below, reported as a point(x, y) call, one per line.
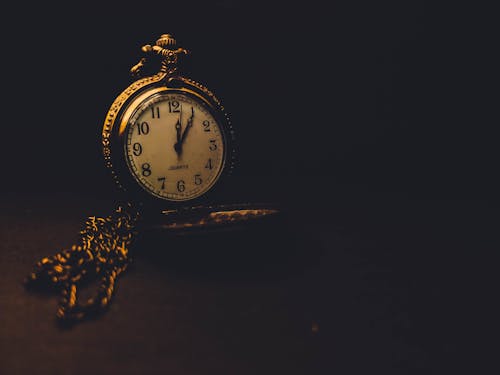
point(188, 126)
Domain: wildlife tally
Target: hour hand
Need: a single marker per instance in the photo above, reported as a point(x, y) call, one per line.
point(178, 129)
point(178, 145)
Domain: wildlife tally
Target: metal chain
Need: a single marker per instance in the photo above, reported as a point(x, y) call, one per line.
point(103, 253)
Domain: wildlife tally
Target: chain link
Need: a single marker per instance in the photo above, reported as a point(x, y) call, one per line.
point(103, 253)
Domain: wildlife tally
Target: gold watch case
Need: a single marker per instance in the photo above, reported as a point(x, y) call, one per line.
point(167, 80)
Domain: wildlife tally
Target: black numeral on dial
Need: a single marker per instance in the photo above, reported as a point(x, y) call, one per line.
point(174, 106)
point(146, 170)
point(209, 164)
point(206, 125)
point(155, 112)
point(197, 179)
point(143, 128)
point(162, 180)
point(137, 149)
point(213, 145)
point(181, 186)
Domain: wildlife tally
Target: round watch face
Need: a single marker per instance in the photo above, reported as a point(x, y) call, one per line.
point(174, 147)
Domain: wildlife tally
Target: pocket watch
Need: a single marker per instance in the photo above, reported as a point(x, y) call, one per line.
point(167, 140)
point(169, 146)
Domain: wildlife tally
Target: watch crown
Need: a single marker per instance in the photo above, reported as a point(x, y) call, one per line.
point(166, 40)
point(166, 50)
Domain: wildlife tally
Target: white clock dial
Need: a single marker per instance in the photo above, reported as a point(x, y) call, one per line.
point(174, 147)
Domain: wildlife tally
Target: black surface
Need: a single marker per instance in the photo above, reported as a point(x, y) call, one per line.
point(375, 282)
point(371, 123)
point(387, 94)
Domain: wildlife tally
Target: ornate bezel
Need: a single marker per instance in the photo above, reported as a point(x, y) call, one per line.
point(114, 136)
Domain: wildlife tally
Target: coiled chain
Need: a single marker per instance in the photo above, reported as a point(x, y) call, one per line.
point(103, 253)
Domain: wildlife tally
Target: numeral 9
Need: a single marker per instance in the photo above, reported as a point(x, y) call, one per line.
point(137, 149)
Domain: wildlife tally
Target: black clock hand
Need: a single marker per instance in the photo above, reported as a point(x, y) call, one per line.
point(188, 126)
point(177, 145)
point(179, 126)
point(178, 129)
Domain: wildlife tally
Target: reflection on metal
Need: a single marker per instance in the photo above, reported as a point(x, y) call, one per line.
point(219, 218)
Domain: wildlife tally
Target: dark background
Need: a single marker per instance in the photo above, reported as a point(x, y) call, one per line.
point(386, 94)
point(371, 122)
